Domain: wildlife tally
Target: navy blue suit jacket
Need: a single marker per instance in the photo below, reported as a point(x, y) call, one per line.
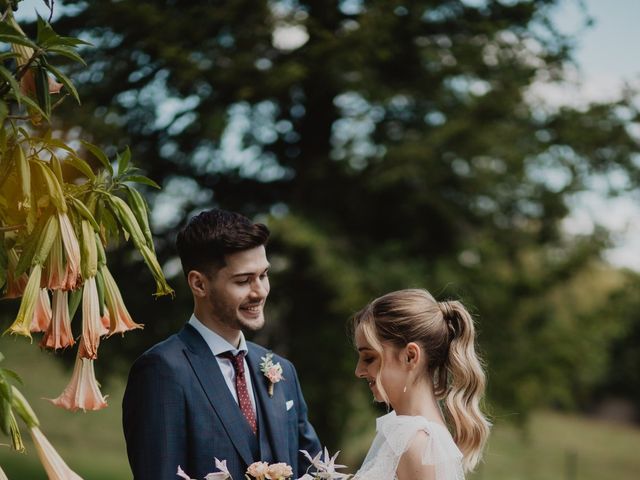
point(177, 410)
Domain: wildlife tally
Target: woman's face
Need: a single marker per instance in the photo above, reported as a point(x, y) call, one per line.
point(393, 376)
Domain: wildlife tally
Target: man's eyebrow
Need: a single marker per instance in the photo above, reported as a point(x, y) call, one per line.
point(249, 274)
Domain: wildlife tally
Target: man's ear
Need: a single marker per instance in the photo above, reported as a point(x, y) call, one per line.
point(198, 282)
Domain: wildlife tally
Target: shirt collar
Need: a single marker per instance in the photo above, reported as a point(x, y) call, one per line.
point(216, 343)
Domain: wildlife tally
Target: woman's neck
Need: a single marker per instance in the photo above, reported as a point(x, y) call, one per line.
point(419, 400)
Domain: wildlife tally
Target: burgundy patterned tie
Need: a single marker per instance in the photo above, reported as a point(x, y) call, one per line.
point(241, 388)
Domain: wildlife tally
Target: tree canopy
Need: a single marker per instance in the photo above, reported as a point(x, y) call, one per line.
point(387, 144)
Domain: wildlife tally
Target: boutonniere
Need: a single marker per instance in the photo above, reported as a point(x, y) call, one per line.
point(273, 371)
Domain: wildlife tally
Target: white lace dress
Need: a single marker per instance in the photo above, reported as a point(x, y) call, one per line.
point(394, 434)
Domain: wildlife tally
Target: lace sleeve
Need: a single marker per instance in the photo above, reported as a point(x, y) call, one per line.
point(440, 449)
point(442, 452)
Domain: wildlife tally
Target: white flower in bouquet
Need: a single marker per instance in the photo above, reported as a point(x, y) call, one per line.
point(325, 467)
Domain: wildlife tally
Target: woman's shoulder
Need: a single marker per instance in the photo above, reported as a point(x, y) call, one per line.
point(432, 439)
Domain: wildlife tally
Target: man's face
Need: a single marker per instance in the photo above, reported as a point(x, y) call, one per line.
point(237, 292)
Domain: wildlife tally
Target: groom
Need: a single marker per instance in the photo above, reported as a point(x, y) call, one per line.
point(202, 392)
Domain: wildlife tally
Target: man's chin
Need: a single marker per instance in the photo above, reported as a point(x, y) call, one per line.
point(251, 324)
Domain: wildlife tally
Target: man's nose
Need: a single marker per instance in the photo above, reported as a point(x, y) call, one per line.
point(259, 288)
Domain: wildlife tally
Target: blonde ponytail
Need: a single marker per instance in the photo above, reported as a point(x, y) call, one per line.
point(465, 386)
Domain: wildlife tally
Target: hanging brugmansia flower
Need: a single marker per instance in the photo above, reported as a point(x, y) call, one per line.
point(42, 313)
point(83, 391)
point(121, 321)
point(71, 251)
point(59, 335)
point(55, 272)
point(15, 286)
point(92, 327)
point(53, 463)
point(22, 323)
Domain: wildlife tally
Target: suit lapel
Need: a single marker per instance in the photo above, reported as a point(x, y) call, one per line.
point(207, 371)
point(274, 408)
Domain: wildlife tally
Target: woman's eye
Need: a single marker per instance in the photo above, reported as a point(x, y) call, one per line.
point(243, 282)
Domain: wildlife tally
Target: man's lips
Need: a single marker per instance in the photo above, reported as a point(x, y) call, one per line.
point(252, 308)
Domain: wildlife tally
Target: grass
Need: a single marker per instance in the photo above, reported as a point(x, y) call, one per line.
point(553, 447)
point(91, 443)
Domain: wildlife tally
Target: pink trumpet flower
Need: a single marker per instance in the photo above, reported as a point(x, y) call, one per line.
point(15, 286)
point(55, 271)
point(28, 84)
point(71, 252)
point(53, 463)
point(82, 391)
point(121, 321)
point(22, 323)
point(106, 322)
point(42, 313)
point(92, 327)
point(59, 335)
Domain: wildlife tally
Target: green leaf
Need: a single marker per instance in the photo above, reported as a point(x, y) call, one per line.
point(8, 76)
point(66, 81)
point(5, 415)
point(54, 142)
point(99, 154)
point(65, 42)
point(4, 261)
point(44, 33)
point(75, 297)
point(11, 35)
point(29, 248)
point(140, 179)
point(8, 55)
point(66, 52)
point(85, 213)
point(11, 374)
point(123, 161)
point(42, 89)
point(4, 111)
point(18, 40)
point(82, 166)
point(31, 104)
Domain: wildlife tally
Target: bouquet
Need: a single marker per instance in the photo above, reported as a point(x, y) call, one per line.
point(324, 465)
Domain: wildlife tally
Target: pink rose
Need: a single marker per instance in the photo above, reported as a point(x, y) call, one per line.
point(274, 374)
point(279, 471)
point(258, 470)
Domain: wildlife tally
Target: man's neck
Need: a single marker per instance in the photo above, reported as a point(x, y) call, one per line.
point(231, 335)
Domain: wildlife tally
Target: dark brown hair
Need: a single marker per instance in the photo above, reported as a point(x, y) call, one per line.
point(211, 235)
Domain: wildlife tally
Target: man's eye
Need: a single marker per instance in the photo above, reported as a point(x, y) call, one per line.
point(264, 275)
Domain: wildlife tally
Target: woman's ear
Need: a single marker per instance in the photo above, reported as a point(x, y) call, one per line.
point(413, 354)
point(198, 283)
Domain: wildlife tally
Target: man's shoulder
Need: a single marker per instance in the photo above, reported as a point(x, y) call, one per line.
point(262, 351)
point(167, 352)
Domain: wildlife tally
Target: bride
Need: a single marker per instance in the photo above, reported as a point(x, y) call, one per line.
point(417, 355)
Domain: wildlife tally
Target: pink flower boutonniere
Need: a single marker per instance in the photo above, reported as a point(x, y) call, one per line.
point(273, 371)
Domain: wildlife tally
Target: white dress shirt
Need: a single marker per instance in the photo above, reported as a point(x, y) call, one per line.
point(219, 345)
